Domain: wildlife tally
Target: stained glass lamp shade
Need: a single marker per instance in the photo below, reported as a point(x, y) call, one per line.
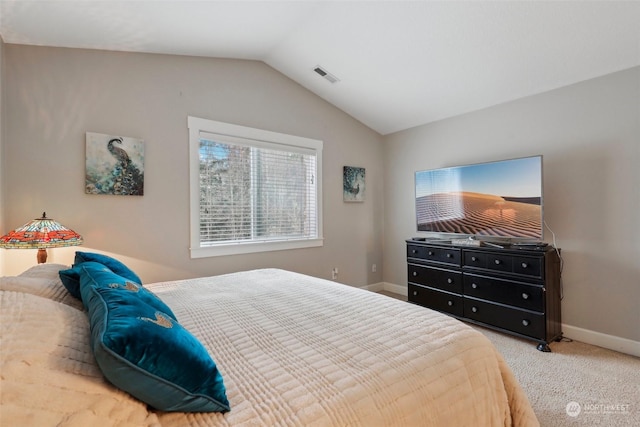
point(41, 233)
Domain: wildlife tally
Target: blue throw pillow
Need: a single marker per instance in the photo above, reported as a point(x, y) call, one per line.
point(113, 264)
point(147, 353)
point(71, 278)
point(101, 276)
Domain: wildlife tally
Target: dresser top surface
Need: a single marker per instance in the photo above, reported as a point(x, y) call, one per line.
point(504, 248)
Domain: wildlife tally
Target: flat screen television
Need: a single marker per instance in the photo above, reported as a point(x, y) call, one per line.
point(501, 199)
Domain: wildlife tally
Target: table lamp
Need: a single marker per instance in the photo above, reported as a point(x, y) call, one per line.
point(41, 233)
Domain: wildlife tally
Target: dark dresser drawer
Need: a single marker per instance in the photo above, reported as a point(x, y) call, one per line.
point(441, 301)
point(499, 262)
point(437, 254)
point(475, 259)
point(521, 295)
point(529, 266)
point(440, 278)
point(521, 321)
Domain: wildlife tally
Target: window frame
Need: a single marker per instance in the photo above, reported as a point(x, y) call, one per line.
point(261, 138)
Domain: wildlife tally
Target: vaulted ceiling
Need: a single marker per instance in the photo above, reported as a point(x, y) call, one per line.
point(398, 63)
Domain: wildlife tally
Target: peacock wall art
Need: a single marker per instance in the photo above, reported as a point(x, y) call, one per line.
point(114, 165)
point(353, 184)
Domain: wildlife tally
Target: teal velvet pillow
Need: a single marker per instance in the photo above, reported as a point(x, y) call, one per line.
point(112, 263)
point(147, 353)
point(100, 275)
point(71, 278)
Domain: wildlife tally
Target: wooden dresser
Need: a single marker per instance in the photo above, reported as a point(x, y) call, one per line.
point(515, 290)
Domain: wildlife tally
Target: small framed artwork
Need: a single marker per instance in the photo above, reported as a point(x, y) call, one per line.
point(353, 184)
point(114, 165)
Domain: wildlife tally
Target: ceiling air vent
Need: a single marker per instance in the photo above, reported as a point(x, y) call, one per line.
point(327, 75)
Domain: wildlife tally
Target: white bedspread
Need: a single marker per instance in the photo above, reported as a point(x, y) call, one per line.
point(294, 351)
point(48, 376)
point(300, 351)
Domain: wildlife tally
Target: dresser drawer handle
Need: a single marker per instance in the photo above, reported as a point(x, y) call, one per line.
point(449, 280)
point(474, 286)
point(525, 265)
point(474, 309)
point(525, 322)
point(497, 261)
point(430, 253)
point(415, 274)
point(415, 293)
point(414, 251)
point(449, 255)
point(450, 303)
point(474, 258)
point(525, 295)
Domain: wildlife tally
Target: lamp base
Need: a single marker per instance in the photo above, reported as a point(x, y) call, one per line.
point(42, 256)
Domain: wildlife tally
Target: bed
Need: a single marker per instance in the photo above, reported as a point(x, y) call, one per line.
point(293, 350)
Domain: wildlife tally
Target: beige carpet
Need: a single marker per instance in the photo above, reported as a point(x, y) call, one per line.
point(576, 384)
point(604, 383)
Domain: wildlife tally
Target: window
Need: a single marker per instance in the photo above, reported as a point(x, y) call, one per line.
point(252, 190)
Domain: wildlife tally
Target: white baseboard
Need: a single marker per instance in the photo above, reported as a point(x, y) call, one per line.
point(389, 287)
point(612, 342)
point(396, 289)
point(374, 287)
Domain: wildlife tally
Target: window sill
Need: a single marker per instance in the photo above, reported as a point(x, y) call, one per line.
point(238, 248)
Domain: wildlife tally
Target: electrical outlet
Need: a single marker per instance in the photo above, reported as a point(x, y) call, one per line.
point(334, 273)
point(374, 268)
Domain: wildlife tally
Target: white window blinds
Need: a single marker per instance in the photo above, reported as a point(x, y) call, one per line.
point(253, 190)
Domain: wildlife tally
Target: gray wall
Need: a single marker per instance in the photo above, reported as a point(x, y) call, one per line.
point(589, 136)
point(55, 95)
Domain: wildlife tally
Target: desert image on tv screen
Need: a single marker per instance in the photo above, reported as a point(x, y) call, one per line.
point(502, 199)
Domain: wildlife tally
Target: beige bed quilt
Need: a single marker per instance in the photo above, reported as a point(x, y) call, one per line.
point(293, 350)
point(301, 351)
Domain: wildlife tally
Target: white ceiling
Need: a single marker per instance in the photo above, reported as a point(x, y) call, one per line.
point(400, 63)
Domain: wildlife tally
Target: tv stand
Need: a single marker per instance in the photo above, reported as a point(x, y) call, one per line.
point(513, 289)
